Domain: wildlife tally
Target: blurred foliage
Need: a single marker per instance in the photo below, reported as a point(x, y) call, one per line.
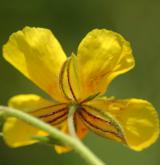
point(70, 20)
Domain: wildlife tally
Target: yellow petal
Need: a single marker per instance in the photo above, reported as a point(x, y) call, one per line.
point(102, 55)
point(38, 55)
point(59, 148)
point(137, 117)
point(81, 131)
point(18, 133)
point(69, 80)
point(28, 102)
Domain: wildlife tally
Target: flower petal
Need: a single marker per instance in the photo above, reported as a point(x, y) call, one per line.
point(137, 117)
point(18, 133)
point(102, 55)
point(28, 102)
point(38, 55)
point(81, 131)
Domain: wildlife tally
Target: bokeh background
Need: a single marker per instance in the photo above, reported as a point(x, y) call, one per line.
point(70, 20)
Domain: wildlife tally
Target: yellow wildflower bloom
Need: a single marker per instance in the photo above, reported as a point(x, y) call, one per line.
point(80, 80)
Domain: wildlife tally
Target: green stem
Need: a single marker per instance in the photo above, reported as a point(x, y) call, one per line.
point(81, 149)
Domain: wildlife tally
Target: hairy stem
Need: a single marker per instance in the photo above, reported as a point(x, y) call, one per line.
point(79, 147)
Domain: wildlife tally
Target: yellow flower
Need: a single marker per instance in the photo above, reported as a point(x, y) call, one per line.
point(80, 80)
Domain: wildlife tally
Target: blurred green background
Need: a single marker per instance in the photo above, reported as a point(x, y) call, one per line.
point(70, 20)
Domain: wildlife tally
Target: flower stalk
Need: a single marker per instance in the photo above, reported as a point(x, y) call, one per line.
point(54, 133)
